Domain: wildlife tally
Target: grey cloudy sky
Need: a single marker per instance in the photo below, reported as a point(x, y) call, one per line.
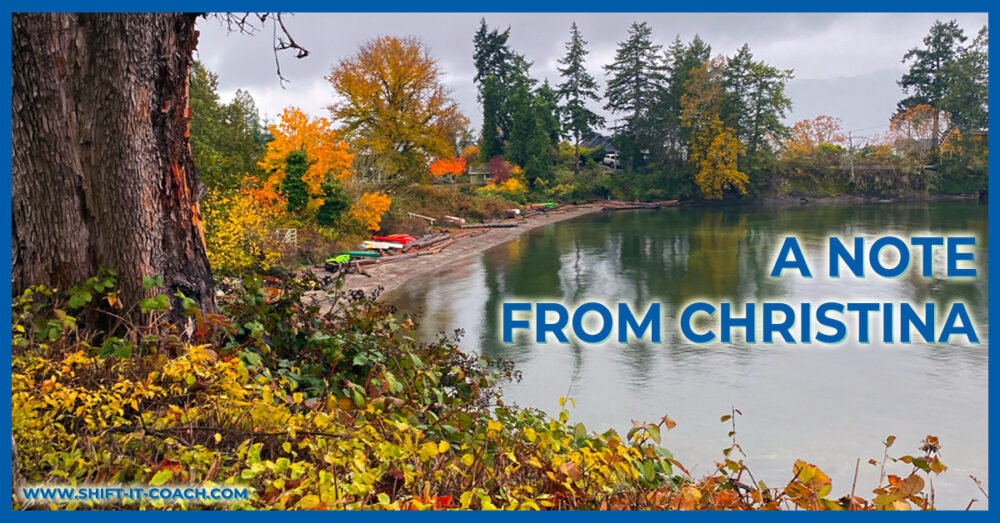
point(845, 65)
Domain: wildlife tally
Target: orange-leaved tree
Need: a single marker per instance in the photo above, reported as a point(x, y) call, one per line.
point(395, 109)
point(370, 207)
point(809, 134)
point(814, 148)
point(471, 155)
point(447, 166)
point(915, 127)
point(327, 155)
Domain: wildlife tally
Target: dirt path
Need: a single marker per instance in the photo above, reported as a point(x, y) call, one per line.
point(393, 275)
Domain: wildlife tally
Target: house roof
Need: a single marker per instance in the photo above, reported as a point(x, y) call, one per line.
point(599, 140)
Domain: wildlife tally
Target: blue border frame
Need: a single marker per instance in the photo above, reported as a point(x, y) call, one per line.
point(386, 6)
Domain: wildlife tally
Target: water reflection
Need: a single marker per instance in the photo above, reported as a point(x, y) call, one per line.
point(828, 405)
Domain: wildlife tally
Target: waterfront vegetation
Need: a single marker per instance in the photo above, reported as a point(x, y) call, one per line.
point(343, 409)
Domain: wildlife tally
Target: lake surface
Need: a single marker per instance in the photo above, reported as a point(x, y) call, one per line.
point(826, 404)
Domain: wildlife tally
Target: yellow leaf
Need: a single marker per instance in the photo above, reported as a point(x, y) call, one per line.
point(308, 502)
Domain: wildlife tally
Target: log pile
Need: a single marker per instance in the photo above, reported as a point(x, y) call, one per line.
point(442, 238)
point(426, 241)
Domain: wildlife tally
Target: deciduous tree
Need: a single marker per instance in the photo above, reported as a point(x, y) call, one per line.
point(808, 134)
point(447, 166)
point(395, 106)
point(102, 169)
point(718, 167)
point(326, 155)
point(713, 148)
point(681, 59)
point(915, 128)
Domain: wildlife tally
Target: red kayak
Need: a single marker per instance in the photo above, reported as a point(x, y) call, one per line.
point(397, 238)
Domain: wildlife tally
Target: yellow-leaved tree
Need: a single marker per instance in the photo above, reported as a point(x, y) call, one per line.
point(238, 230)
point(718, 170)
point(396, 112)
point(713, 149)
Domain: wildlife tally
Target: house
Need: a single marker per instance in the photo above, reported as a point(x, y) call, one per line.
point(599, 140)
point(479, 176)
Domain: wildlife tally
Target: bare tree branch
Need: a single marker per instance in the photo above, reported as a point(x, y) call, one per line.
point(252, 23)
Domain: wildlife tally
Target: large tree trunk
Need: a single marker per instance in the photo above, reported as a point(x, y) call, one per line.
point(102, 170)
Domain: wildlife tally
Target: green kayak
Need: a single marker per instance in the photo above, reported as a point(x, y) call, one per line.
point(361, 254)
point(341, 258)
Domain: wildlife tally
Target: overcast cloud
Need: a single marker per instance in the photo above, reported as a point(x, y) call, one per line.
point(845, 65)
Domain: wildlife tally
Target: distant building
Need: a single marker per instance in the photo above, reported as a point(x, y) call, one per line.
point(904, 144)
point(599, 140)
point(478, 176)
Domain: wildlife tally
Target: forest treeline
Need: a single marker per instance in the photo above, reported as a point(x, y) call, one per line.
point(693, 124)
point(689, 124)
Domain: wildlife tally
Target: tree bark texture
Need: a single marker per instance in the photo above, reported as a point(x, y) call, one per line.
point(102, 170)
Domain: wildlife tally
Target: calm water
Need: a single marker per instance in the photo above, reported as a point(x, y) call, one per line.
point(825, 404)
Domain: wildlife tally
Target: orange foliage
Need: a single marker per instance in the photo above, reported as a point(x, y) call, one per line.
point(471, 155)
point(917, 123)
point(370, 208)
point(443, 166)
point(808, 134)
point(326, 152)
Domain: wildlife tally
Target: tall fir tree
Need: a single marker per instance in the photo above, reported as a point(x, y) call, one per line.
point(754, 105)
point(577, 89)
point(493, 58)
point(967, 97)
point(490, 51)
point(492, 143)
point(636, 76)
point(548, 110)
point(680, 60)
point(531, 143)
point(927, 81)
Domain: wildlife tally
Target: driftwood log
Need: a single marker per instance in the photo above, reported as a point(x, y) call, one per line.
point(624, 206)
point(425, 241)
point(501, 225)
point(440, 246)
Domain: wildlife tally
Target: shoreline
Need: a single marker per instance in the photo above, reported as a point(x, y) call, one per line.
point(391, 276)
